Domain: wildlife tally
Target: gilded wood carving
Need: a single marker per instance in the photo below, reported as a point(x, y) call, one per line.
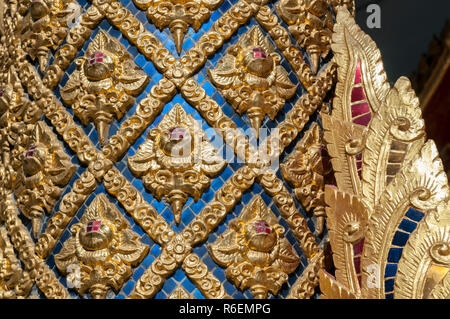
point(392, 192)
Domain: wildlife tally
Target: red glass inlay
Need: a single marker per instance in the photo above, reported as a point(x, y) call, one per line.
point(358, 76)
point(93, 226)
point(358, 94)
point(259, 53)
point(357, 263)
point(262, 227)
point(359, 109)
point(30, 152)
point(358, 247)
point(363, 120)
point(96, 57)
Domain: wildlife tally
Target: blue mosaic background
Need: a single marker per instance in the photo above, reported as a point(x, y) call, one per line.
point(191, 208)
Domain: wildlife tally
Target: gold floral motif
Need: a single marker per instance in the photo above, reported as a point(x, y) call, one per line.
point(46, 25)
point(176, 161)
point(178, 15)
point(251, 78)
point(254, 251)
point(388, 176)
point(104, 83)
point(45, 170)
point(103, 247)
point(304, 169)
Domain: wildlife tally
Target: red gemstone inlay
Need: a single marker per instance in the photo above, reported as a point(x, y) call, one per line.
point(93, 226)
point(359, 109)
point(97, 57)
point(358, 77)
point(358, 247)
point(358, 94)
point(177, 133)
point(262, 227)
point(363, 120)
point(30, 152)
point(259, 53)
point(357, 263)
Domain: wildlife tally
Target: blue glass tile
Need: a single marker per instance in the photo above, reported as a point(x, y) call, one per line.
point(156, 250)
point(147, 261)
point(159, 206)
point(128, 287)
point(198, 295)
point(400, 239)
point(394, 255)
point(229, 288)
point(138, 273)
point(390, 271)
point(187, 216)
point(238, 295)
point(220, 274)
point(188, 285)
point(201, 250)
point(389, 285)
point(414, 215)
point(169, 286)
point(407, 226)
point(179, 275)
point(390, 296)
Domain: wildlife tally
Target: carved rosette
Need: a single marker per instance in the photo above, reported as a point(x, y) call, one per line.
point(255, 252)
point(305, 170)
point(388, 218)
point(177, 161)
point(45, 170)
point(178, 15)
point(45, 26)
point(251, 78)
point(101, 251)
point(104, 83)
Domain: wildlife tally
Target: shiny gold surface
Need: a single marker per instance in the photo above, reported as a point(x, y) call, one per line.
point(399, 170)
